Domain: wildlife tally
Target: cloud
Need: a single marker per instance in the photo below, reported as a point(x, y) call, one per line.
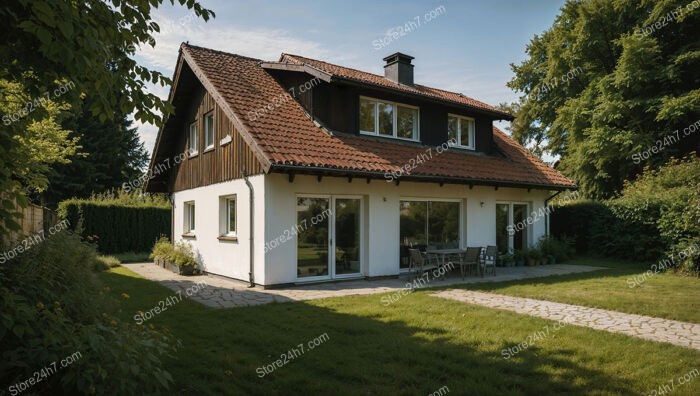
point(265, 44)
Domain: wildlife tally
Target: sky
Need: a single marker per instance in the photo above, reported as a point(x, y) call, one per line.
point(463, 46)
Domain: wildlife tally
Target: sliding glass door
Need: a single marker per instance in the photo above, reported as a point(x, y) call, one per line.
point(313, 237)
point(347, 236)
point(508, 237)
point(329, 237)
point(427, 225)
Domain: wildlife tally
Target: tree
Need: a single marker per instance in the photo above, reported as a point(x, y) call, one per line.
point(91, 45)
point(111, 154)
point(609, 80)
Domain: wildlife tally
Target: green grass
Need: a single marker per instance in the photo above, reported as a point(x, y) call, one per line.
point(133, 257)
point(412, 347)
point(106, 262)
point(667, 296)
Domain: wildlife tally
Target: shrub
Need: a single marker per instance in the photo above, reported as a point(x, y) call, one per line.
point(183, 256)
point(119, 227)
point(53, 306)
point(656, 216)
point(561, 248)
point(106, 262)
point(162, 250)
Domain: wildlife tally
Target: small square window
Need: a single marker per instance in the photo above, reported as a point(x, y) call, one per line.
point(189, 217)
point(209, 131)
point(194, 147)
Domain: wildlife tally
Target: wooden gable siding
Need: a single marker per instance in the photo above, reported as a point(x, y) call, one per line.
point(222, 162)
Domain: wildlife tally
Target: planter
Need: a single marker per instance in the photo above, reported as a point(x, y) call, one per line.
point(520, 263)
point(531, 262)
point(174, 268)
point(171, 267)
point(187, 271)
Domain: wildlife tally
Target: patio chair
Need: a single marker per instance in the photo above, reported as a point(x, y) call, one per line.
point(469, 260)
point(421, 262)
point(489, 260)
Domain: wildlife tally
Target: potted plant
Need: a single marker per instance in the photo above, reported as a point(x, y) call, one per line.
point(507, 259)
point(519, 257)
point(184, 260)
point(162, 252)
point(178, 259)
point(533, 256)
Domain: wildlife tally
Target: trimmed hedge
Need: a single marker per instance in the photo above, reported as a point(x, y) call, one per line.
point(610, 228)
point(656, 217)
point(119, 228)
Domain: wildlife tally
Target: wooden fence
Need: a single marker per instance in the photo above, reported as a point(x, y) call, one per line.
point(35, 219)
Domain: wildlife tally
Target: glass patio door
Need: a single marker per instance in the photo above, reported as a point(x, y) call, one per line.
point(328, 237)
point(508, 237)
point(347, 218)
point(313, 237)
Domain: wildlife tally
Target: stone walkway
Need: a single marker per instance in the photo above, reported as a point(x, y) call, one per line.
point(228, 293)
point(647, 327)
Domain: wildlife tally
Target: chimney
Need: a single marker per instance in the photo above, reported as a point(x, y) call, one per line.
point(399, 69)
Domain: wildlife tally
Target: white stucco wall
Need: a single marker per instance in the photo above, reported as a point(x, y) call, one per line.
point(381, 225)
point(227, 258)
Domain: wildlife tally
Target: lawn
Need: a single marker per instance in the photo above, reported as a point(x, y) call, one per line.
point(414, 346)
point(661, 295)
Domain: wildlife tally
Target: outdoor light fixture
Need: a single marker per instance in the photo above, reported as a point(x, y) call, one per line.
point(482, 204)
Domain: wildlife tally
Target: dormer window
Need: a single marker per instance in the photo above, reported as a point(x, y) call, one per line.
point(461, 130)
point(390, 119)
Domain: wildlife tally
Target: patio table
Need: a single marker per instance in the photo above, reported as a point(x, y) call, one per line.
point(442, 253)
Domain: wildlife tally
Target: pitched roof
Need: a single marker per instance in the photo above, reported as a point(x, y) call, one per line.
point(285, 138)
point(380, 81)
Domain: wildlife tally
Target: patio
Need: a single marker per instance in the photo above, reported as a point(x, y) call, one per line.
point(228, 293)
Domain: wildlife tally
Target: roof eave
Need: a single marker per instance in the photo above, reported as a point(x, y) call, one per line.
point(336, 172)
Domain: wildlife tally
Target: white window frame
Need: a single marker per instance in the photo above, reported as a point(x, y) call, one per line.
point(472, 132)
point(394, 120)
point(189, 218)
point(225, 218)
point(209, 140)
point(194, 139)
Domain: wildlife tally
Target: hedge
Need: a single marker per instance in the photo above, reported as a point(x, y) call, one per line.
point(610, 228)
point(655, 217)
point(119, 228)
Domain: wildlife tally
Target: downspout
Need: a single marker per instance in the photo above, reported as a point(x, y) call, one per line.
point(172, 218)
point(252, 225)
point(546, 202)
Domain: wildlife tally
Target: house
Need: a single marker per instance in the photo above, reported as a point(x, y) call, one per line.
point(300, 170)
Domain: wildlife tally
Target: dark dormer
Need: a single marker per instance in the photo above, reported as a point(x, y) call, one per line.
point(399, 69)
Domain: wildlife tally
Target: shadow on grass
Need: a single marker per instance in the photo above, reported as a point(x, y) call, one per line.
point(371, 350)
